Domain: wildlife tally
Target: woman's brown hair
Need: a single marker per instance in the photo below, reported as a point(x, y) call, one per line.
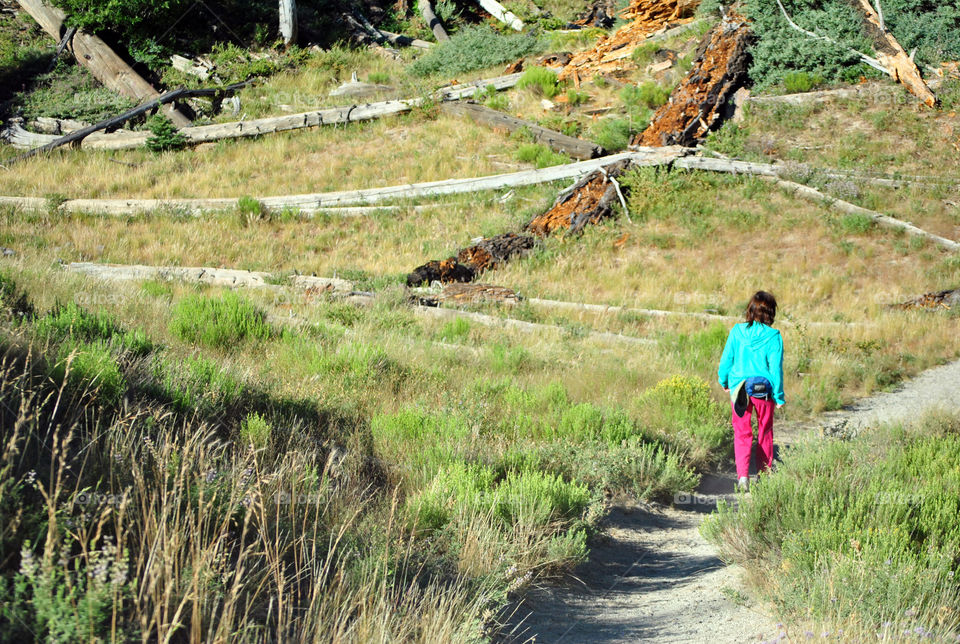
point(762, 308)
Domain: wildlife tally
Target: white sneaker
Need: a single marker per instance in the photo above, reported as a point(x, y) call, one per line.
point(743, 484)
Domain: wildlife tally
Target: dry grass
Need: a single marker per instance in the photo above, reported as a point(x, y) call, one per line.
point(405, 149)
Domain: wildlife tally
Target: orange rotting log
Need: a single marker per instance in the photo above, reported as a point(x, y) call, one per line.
point(611, 54)
point(589, 201)
point(704, 98)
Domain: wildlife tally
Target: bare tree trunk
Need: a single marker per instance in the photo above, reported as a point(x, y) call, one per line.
point(426, 10)
point(288, 22)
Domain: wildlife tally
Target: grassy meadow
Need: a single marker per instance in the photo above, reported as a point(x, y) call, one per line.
point(183, 462)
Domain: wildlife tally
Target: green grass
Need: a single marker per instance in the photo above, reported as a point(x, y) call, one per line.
point(862, 534)
point(540, 155)
point(540, 80)
point(219, 322)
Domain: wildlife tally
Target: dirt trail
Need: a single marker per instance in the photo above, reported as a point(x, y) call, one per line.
point(654, 578)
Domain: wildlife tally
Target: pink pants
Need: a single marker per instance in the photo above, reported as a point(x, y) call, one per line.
point(743, 436)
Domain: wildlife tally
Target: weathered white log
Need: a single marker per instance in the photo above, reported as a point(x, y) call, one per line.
point(726, 165)
point(606, 308)
point(500, 12)
point(21, 138)
point(315, 202)
point(894, 57)
point(811, 194)
point(325, 284)
point(466, 90)
point(94, 54)
point(288, 22)
point(213, 276)
point(659, 313)
point(433, 23)
point(526, 327)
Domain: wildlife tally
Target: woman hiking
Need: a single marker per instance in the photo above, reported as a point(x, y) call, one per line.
point(751, 371)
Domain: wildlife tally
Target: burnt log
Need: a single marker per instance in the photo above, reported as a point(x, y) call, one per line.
point(444, 271)
point(704, 98)
point(490, 253)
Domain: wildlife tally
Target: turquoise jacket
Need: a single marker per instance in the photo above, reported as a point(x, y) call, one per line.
point(754, 350)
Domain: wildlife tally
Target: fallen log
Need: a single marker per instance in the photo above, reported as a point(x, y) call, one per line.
point(526, 327)
point(588, 201)
point(571, 146)
point(310, 203)
point(19, 137)
point(500, 12)
point(606, 308)
point(490, 253)
point(811, 194)
point(891, 54)
point(433, 23)
point(117, 121)
point(226, 277)
point(702, 100)
point(94, 54)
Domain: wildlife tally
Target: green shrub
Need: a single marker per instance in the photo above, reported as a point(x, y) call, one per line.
point(643, 54)
point(536, 498)
point(528, 498)
point(634, 466)
point(73, 322)
point(71, 92)
point(219, 322)
point(164, 135)
point(90, 366)
point(378, 77)
point(932, 28)
point(577, 97)
point(455, 330)
point(798, 82)
point(683, 405)
point(255, 431)
point(74, 601)
point(730, 139)
point(540, 155)
point(541, 80)
point(648, 94)
point(474, 48)
point(508, 359)
point(500, 102)
point(249, 210)
point(197, 384)
point(612, 134)
point(856, 224)
point(860, 531)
